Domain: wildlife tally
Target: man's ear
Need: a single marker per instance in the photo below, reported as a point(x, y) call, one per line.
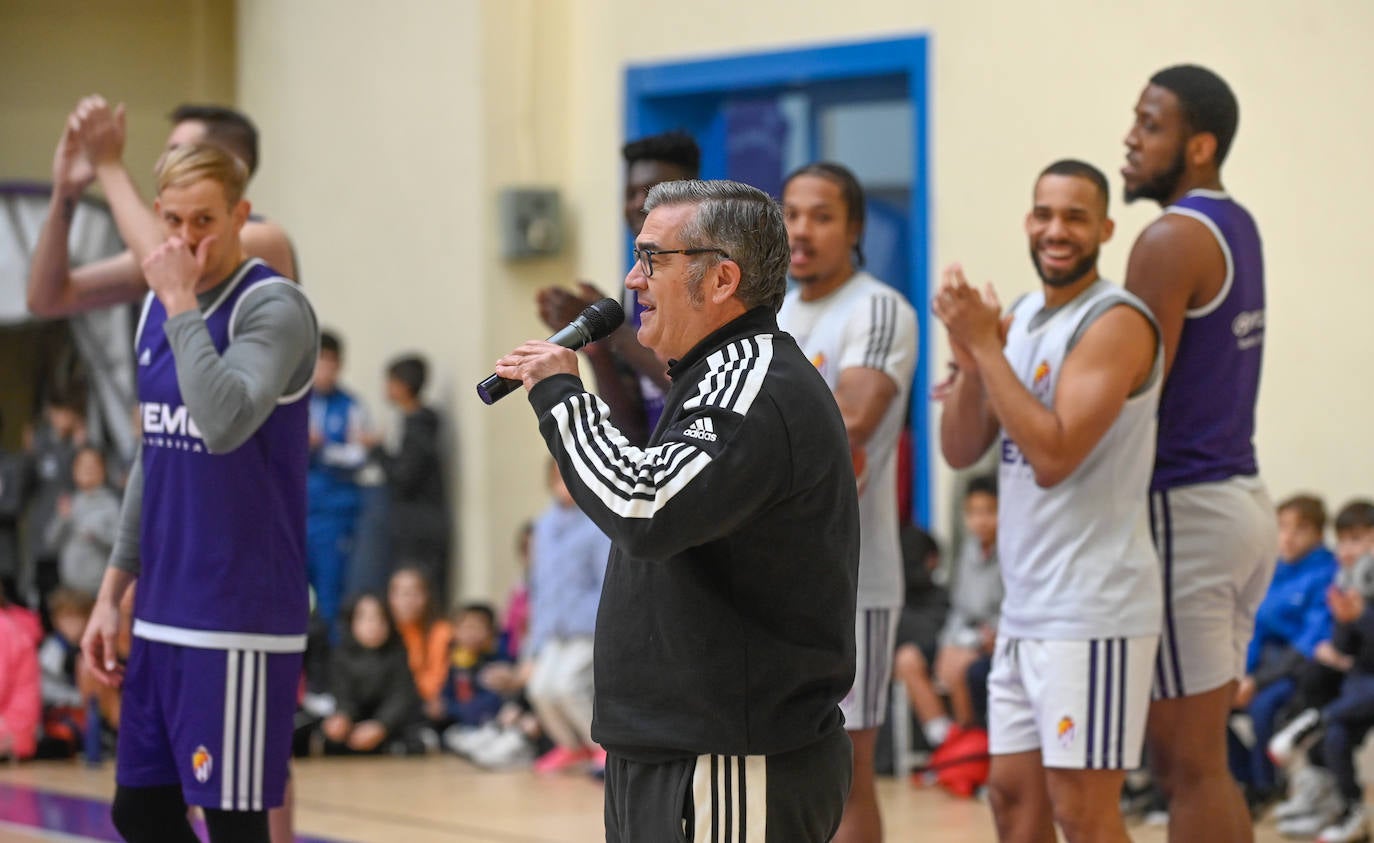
point(1202, 149)
point(725, 282)
point(240, 213)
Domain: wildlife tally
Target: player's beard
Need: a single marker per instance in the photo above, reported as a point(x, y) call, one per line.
point(1162, 186)
point(1071, 276)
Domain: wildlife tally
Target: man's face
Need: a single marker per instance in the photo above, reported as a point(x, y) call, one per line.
point(640, 178)
point(184, 133)
point(326, 372)
point(196, 212)
point(819, 231)
point(1155, 146)
point(671, 322)
point(1066, 226)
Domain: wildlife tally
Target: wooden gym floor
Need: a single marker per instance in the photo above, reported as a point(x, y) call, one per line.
point(442, 800)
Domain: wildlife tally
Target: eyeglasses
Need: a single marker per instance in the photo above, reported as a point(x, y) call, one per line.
point(645, 257)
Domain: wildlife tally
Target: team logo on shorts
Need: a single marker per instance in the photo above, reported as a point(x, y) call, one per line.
point(202, 764)
point(1066, 731)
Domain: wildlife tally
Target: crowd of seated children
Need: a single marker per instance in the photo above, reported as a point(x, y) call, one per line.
point(1291, 621)
point(1336, 696)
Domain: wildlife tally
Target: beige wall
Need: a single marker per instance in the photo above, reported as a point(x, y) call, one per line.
point(474, 96)
point(149, 54)
point(389, 128)
point(388, 132)
point(1016, 85)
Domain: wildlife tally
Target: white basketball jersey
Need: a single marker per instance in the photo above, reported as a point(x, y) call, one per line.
point(1077, 558)
point(866, 323)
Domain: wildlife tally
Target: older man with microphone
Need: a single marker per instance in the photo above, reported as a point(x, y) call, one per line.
point(725, 639)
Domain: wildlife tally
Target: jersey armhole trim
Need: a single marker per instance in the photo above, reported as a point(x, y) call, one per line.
point(143, 316)
point(1096, 310)
point(1216, 302)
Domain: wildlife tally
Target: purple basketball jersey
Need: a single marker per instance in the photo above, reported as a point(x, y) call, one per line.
point(1207, 409)
point(223, 535)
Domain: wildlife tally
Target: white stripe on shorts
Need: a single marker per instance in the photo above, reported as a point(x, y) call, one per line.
point(875, 639)
point(1168, 682)
point(245, 737)
point(1106, 707)
point(730, 799)
point(244, 740)
point(231, 695)
point(259, 730)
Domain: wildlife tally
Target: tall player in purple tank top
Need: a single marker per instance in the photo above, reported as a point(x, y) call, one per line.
point(1200, 268)
point(213, 524)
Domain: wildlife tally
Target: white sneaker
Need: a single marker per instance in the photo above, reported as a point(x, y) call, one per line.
point(1293, 738)
point(1157, 817)
point(1311, 790)
point(1352, 827)
point(509, 750)
point(320, 705)
point(464, 740)
point(1304, 826)
point(1307, 826)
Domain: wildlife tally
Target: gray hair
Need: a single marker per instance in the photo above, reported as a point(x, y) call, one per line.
point(742, 221)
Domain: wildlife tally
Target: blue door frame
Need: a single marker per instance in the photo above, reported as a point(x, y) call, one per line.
point(661, 97)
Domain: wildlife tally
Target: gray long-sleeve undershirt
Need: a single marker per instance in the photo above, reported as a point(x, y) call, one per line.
point(229, 396)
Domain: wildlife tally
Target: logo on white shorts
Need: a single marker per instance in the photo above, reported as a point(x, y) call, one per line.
point(1066, 731)
point(701, 429)
point(202, 764)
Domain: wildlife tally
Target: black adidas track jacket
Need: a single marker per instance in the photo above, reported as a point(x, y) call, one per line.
point(726, 623)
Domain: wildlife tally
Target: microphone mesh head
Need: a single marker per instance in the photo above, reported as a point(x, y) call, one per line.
point(603, 317)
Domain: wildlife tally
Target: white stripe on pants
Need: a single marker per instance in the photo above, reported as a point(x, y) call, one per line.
point(560, 690)
point(730, 797)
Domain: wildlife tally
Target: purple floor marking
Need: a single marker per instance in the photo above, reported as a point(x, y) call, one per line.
point(44, 810)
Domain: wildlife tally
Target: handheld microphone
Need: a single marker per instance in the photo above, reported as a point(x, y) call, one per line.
point(592, 324)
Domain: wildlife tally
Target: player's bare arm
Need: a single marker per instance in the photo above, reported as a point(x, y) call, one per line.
point(1113, 359)
point(1175, 265)
point(53, 290)
point(967, 423)
point(968, 426)
point(863, 395)
point(101, 129)
point(98, 642)
point(267, 240)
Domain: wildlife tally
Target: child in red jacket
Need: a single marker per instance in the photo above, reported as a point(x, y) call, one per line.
point(20, 698)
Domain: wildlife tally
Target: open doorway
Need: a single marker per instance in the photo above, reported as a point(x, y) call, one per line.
point(758, 116)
